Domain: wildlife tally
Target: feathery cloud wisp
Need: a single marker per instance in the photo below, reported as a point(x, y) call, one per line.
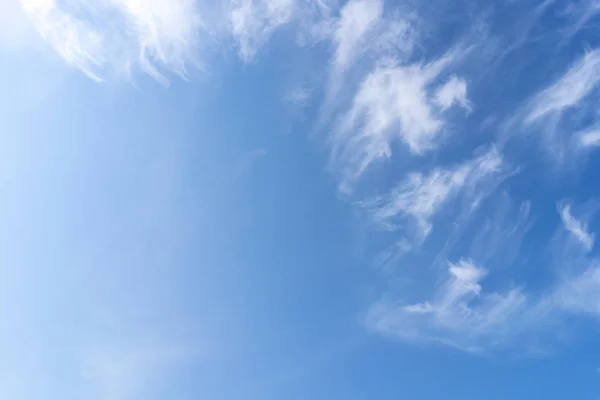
point(253, 21)
point(589, 138)
point(391, 103)
point(576, 227)
point(451, 92)
point(357, 17)
point(461, 314)
point(420, 196)
point(581, 294)
point(566, 92)
point(101, 36)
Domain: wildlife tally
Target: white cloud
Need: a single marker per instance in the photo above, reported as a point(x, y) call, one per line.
point(581, 12)
point(361, 35)
point(420, 196)
point(102, 36)
point(452, 92)
point(362, 28)
point(576, 227)
point(589, 138)
point(253, 21)
point(357, 17)
point(569, 90)
point(581, 294)
point(77, 42)
point(391, 103)
point(563, 113)
point(461, 314)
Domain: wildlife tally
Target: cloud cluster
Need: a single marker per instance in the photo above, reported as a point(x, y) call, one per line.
point(463, 314)
point(381, 99)
point(460, 313)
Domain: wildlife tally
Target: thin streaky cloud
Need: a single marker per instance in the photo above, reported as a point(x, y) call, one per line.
point(363, 28)
point(581, 12)
point(361, 36)
point(568, 90)
point(80, 44)
point(420, 196)
point(461, 314)
point(576, 227)
point(562, 112)
point(252, 22)
point(357, 17)
point(115, 37)
point(589, 138)
point(581, 294)
point(349, 33)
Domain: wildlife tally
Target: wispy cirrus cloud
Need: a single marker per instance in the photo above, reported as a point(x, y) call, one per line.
point(567, 91)
point(454, 91)
point(362, 39)
point(363, 28)
point(462, 313)
point(393, 103)
point(80, 44)
point(495, 238)
point(356, 19)
point(577, 228)
point(581, 13)
point(252, 22)
point(101, 37)
point(581, 294)
point(589, 138)
point(420, 196)
point(563, 113)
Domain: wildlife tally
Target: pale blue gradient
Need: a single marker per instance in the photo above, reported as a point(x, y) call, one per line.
point(197, 237)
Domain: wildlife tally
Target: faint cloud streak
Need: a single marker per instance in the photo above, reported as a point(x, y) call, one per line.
point(100, 37)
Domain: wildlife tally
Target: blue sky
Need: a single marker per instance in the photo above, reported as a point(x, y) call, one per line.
point(297, 199)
